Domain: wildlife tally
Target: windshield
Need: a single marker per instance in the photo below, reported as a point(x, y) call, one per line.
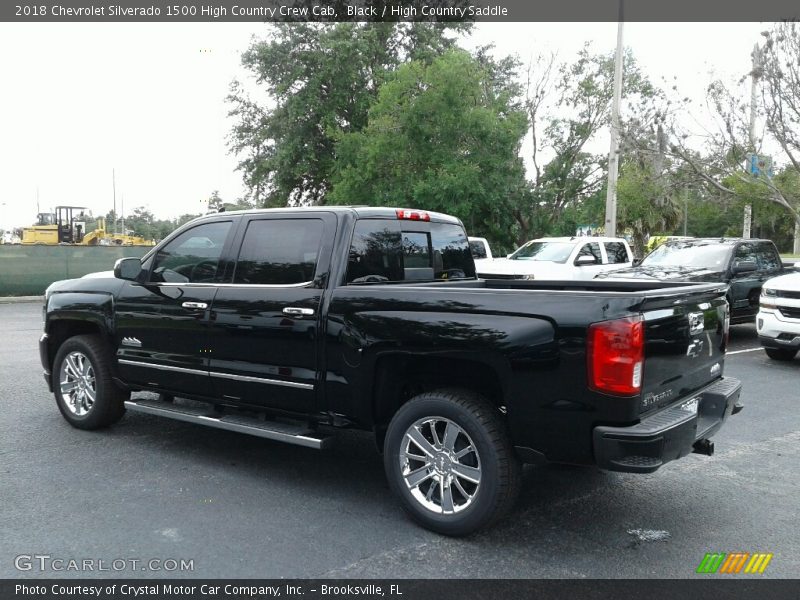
point(551, 251)
point(714, 256)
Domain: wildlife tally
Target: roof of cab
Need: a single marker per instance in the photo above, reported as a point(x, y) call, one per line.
point(361, 212)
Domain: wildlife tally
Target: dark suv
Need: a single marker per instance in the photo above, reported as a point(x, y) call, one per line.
point(744, 264)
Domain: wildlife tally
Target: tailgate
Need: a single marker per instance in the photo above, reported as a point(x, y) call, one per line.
point(685, 338)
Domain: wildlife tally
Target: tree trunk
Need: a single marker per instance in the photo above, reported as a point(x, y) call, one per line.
point(796, 248)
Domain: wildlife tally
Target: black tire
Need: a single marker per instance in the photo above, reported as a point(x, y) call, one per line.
point(109, 402)
point(481, 425)
point(780, 353)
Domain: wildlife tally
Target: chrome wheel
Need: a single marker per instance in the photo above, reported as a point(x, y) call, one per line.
point(77, 383)
point(440, 465)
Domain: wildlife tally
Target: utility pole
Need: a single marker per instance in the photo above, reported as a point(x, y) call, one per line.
point(114, 192)
point(755, 75)
point(613, 153)
point(685, 209)
point(122, 212)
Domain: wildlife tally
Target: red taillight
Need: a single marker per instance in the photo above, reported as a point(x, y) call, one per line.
point(615, 356)
point(412, 215)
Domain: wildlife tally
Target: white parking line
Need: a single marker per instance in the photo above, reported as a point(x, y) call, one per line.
point(740, 351)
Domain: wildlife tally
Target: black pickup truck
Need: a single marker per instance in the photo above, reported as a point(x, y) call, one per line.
point(289, 323)
point(743, 264)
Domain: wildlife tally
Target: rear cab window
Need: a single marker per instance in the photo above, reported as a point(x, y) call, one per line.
point(387, 251)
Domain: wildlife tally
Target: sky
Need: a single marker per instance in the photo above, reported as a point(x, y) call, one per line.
point(146, 101)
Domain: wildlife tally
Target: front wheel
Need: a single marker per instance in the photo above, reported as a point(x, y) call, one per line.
point(85, 392)
point(780, 353)
point(448, 458)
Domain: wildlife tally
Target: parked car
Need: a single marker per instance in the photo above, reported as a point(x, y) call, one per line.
point(778, 320)
point(743, 264)
point(481, 251)
point(290, 323)
point(561, 259)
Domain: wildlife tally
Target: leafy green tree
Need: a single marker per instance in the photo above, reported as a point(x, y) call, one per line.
point(443, 136)
point(568, 104)
point(322, 80)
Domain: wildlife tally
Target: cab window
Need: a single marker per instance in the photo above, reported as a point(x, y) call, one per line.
point(768, 258)
point(193, 256)
point(279, 252)
point(593, 250)
point(616, 252)
point(385, 251)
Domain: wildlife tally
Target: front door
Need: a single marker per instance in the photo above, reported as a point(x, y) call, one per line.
point(162, 323)
point(265, 324)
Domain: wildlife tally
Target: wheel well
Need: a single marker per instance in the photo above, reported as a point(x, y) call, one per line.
point(400, 378)
point(61, 331)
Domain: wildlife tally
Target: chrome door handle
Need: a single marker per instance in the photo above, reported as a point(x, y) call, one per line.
point(195, 305)
point(298, 312)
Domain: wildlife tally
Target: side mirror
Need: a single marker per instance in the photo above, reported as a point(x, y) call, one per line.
point(637, 262)
point(745, 266)
point(584, 260)
point(128, 268)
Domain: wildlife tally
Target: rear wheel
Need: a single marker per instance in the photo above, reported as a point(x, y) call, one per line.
point(448, 458)
point(780, 353)
point(85, 392)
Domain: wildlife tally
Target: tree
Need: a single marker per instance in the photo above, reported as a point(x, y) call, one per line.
point(322, 80)
point(567, 105)
point(733, 139)
point(443, 136)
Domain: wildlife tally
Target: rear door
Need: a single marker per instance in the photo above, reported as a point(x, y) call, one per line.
point(264, 328)
point(685, 337)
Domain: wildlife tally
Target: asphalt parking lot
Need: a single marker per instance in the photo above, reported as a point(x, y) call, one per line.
point(242, 507)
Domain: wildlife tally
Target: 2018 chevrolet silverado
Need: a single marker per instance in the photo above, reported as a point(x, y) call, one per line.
point(289, 323)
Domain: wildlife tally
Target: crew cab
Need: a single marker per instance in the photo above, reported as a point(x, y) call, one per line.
point(290, 323)
point(743, 264)
point(561, 259)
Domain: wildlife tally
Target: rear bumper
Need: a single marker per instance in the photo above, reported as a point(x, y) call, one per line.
point(668, 434)
point(44, 357)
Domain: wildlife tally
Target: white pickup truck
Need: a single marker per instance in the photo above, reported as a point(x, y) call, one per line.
point(560, 258)
point(778, 319)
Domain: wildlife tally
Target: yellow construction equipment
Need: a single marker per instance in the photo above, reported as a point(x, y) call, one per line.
point(68, 226)
point(65, 226)
point(101, 237)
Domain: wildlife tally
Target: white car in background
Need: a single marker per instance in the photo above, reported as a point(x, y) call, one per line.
point(481, 252)
point(561, 259)
point(778, 319)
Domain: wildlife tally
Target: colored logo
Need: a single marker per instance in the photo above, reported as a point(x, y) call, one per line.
point(734, 562)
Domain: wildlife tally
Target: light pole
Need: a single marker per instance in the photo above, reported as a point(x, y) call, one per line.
point(613, 153)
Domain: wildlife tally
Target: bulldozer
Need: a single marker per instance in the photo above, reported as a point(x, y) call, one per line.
point(68, 226)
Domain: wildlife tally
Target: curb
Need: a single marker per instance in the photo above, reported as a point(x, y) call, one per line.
point(20, 299)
